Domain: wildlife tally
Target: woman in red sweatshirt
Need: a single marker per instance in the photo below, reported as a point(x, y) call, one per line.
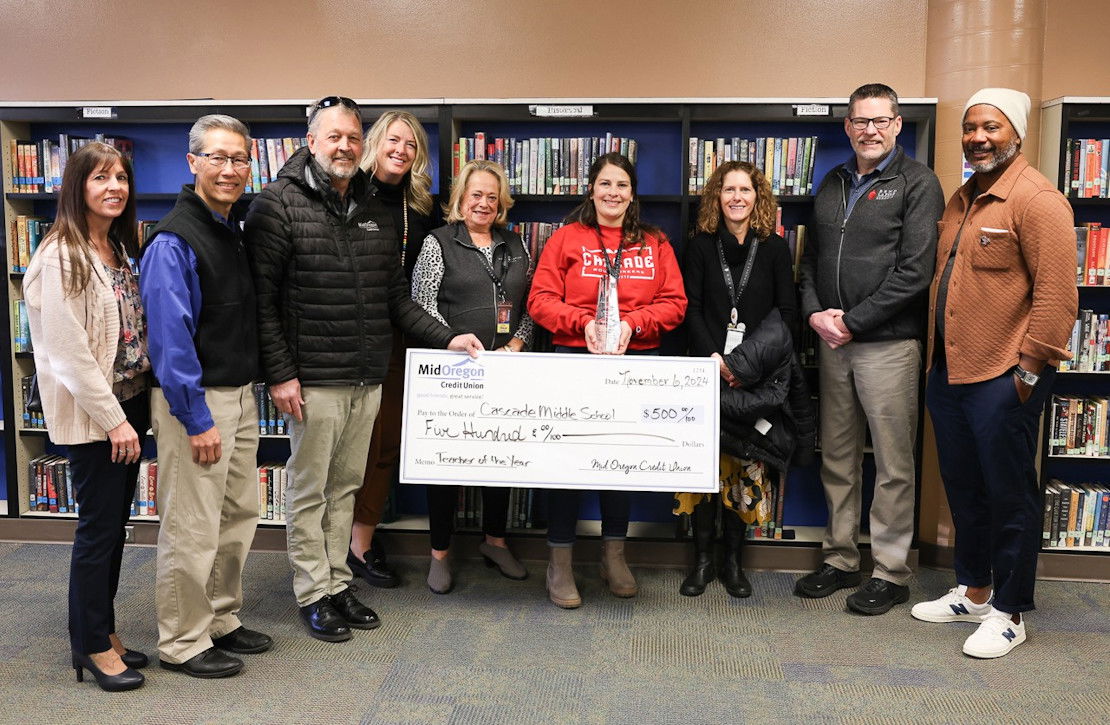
point(604, 240)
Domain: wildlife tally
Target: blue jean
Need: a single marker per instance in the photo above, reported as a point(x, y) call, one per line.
point(987, 446)
point(562, 504)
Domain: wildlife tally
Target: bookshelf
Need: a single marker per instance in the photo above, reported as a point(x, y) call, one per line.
point(1065, 163)
point(662, 128)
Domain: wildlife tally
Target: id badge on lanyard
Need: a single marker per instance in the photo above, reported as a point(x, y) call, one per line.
point(734, 333)
point(504, 314)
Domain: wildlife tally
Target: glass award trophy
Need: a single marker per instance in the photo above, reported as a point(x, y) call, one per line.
point(608, 318)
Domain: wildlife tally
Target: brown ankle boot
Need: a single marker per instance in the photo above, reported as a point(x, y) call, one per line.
point(560, 579)
point(615, 571)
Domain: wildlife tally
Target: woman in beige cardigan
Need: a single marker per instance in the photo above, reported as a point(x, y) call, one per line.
point(89, 338)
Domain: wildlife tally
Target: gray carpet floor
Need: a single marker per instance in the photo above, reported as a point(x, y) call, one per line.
point(496, 651)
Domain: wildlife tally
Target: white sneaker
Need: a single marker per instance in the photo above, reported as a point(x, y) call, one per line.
point(996, 636)
point(952, 607)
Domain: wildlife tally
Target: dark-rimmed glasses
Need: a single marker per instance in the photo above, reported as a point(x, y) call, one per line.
point(860, 123)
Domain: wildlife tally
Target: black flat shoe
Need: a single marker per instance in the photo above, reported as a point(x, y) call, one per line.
point(135, 660)
point(129, 679)
point(374, 570)
point(877, 596)
point(825, 581)
point(324, 622)
point(357, 614)
point(208, 665)
point(243, 641)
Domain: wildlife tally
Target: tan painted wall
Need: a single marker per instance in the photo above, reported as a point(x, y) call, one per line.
point(456, 48)
point(1076, 54)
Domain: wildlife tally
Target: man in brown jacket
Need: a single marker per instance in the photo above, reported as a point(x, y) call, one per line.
point(1001, 308)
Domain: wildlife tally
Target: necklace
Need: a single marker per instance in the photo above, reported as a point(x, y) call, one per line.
point(405, 231)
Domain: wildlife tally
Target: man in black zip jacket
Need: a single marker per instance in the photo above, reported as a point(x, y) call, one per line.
point(324, 256)
point(864, 283)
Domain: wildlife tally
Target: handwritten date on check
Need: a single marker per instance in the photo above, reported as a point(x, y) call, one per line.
point(634, 423)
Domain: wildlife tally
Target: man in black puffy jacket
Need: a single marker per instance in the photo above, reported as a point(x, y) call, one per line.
point(323, 253)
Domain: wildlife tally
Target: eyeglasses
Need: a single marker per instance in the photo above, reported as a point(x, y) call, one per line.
point(330, 101)
point(860, 123)
point(219, 160)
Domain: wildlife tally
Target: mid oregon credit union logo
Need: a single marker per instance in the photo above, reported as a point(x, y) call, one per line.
point(467, 373)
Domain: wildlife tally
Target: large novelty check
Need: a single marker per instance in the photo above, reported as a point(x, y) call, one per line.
point(635, 423)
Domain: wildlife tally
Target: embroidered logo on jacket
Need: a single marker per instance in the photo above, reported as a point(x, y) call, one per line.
point(368, 226)
point(882, 194)
point(635, 264)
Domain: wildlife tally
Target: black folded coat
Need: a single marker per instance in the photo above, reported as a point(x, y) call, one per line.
point(772, 388)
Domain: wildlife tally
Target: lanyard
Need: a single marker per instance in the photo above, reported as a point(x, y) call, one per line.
point(497, 279)
point(612, 266)
point(736, 293)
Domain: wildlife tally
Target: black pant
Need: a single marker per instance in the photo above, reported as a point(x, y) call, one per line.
point(986, 447)
point(443, 502)
point(104, 491)
point(562, 504)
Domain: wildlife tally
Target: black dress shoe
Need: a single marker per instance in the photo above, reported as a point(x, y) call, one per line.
point(324, 622)
point(374, 570)
point(135, 660)
point(357, 614)
point(244, 641)
point(877, 596)
point(208, 665)
point(129, 679)
point(825, 581)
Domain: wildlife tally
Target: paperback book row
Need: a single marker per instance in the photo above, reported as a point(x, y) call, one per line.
point(1091, 262)
point(542, 165)
point(1089, 344)
point(21, 327)
point(268, 155)
point(1076, 514)
point(1085, 168)
point(51, 487)
point(38, 166)
point(270, 421)
point(786, 162)
point(523, 511)
point(1078, 426)
point(25, 233)
point(272, 480)
point(535, 236)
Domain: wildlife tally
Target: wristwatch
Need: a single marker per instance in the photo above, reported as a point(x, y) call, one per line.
point(1025, 376)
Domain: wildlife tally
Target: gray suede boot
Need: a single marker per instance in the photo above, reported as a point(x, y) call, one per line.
point(440, 580)
point(560, 579)
point(615, 571)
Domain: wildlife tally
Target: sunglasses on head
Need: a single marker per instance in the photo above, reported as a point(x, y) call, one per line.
point(330, 101)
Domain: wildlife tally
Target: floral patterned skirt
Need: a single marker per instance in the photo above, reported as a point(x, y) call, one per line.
point(743, 490)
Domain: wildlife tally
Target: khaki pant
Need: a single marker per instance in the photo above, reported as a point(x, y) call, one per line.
point(209, 514)
point(325, 470)
point(870, 385)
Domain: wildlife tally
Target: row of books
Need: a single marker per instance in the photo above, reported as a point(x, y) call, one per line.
point(1079, 426)
point(542, 165)
point(1091, 262)
point(1085, 168)
point(21, 327)
point(1089, 344)
point(523, 512)
point(270, 422)
point(786, 162)
point(272, 480)
point(535, 236)
point(268, 155)
point(1076, 514)
point(24, 235)
point(51, 487)
point(31, 419)
point(38, 166)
